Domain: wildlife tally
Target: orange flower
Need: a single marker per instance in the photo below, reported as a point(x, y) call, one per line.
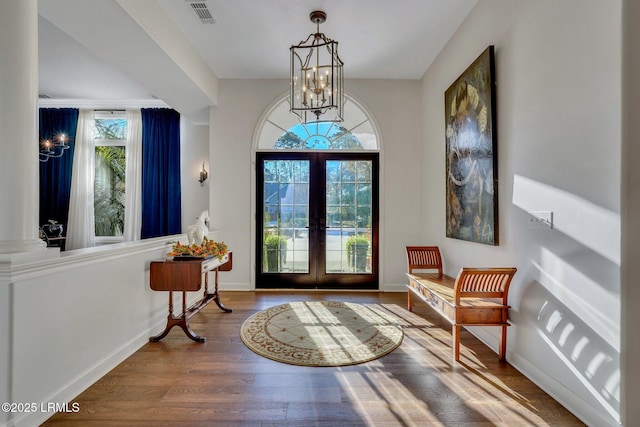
point(207, 248)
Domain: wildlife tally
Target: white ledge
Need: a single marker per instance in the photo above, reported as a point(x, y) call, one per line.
point(35, 264)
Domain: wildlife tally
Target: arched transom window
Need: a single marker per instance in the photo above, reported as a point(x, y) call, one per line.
point(281, 131)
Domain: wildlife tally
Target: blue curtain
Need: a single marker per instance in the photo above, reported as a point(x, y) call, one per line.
point(161, 193)
point(55, 174)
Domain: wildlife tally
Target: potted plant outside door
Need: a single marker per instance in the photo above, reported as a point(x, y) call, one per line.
point(275, 252)
point(357, 250)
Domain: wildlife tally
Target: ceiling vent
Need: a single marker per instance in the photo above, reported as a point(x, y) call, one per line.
point(201, 10)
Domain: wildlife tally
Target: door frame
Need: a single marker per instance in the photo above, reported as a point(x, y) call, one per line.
point(343, 281)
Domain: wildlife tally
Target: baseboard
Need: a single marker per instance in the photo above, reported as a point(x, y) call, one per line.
point(83, 381)
point(390, 287)
point(585, 411)
point(393, 287)
point(234, 287)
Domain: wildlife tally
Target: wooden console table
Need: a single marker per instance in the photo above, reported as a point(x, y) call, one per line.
point(187, 276)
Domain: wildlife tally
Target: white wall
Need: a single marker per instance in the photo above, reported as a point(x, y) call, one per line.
point(194, 149)
point(558, 111)
point(397, 111)
point(395, 107)
point(70, 319)
point(232, 123)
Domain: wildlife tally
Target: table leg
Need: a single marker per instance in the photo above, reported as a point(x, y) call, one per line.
point(182, 321)
point(215, 296)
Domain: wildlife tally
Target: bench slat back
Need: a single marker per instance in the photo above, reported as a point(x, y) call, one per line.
point(484, 283)
point(424, 258)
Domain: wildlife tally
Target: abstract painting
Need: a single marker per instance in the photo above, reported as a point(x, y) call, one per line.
point(471, 155)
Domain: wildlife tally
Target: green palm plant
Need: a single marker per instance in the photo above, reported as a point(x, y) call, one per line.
point(109, 191)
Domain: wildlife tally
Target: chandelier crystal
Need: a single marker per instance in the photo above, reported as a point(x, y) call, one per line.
point(316, 76)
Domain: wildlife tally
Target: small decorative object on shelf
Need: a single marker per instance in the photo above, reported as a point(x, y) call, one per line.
point(197, 232)
point(52, 228)
point(208, 249)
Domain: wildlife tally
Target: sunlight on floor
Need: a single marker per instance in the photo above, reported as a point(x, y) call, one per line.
point(464, 387)
point(388, 399)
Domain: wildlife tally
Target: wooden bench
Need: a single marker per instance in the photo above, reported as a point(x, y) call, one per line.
point(476, 297)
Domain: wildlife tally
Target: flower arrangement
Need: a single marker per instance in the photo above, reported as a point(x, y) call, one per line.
point(206, 249)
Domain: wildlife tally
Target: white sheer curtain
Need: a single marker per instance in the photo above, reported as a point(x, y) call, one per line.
point(133, 192)
point(80, 227)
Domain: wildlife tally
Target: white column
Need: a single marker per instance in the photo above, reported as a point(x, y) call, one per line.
point(18, 127)
point(18, 161)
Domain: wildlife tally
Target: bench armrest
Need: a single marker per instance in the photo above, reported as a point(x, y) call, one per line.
point(483, 283)
point(424, 258)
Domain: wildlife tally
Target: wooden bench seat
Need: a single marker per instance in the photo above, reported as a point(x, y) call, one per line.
point(475, 297)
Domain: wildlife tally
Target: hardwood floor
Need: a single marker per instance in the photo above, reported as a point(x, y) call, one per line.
point(177, 382)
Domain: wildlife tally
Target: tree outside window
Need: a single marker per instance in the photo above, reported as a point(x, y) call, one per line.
point(110, 177)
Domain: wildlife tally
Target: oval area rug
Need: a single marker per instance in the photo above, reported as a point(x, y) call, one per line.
point(321, 333)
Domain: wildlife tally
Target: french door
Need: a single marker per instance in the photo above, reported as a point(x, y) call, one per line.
point(317, 220)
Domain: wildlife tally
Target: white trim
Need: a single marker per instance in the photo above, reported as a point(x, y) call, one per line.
point(264, 118)
point(102, 103)
point(69, 391)
point(70, 260)
point(585, 411)
point(107, 240)
point(558, 391)
point(235, 286)
point(394, 287)
point(75, 386)
point(35, 271)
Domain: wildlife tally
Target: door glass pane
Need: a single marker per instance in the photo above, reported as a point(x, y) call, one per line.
point(348, 216)
point(285, 241)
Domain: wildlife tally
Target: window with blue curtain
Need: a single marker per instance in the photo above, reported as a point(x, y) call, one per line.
point(161, 191)
point(55, 173)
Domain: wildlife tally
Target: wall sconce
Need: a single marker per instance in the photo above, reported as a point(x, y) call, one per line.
point(53, 147)
point(203, 176)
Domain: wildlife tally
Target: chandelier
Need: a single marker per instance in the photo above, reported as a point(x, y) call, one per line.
point(316, 76)
point(53, 147)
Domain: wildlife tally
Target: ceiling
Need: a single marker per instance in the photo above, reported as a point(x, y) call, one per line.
point(146, 49)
